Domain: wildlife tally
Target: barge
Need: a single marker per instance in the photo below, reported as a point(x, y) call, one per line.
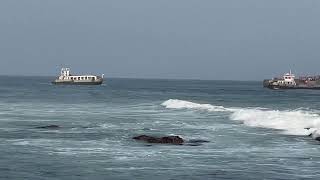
point(289, 81)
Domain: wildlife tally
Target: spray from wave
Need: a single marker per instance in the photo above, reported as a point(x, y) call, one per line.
point(291, 122)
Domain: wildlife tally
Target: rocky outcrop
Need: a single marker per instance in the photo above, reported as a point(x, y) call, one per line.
point(160, 140)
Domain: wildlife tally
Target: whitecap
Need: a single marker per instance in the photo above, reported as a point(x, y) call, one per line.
point(180, 104)
point(291, 122)
point(22, 143)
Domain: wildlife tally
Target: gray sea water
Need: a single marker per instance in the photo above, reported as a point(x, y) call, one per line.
point(254, 133)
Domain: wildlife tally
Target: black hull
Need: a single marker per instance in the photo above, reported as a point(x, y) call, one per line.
point(292, 87)
point(77, 83)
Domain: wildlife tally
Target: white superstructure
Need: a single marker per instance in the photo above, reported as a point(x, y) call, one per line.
point(288, 79)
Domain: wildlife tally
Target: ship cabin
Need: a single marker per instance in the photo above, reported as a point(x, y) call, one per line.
point(67, 76)
point(287, 80)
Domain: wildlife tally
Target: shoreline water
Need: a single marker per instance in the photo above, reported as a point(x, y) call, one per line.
point(250, 130)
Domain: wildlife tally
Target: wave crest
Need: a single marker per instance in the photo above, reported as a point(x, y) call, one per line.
point(180, 104)
point(291, 122)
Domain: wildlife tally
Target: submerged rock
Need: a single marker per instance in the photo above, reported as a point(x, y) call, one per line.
point(198, 141)
point(49, 127)
point(160, 140)
point(315, 135)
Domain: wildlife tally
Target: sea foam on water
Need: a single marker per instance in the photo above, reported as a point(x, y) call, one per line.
point(180, 104)
point(293, 122)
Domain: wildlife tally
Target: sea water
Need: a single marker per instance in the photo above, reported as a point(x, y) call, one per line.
point(253, 133)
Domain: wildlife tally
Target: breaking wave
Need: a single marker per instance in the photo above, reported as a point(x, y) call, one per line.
point(179, 104)
point(291, 122)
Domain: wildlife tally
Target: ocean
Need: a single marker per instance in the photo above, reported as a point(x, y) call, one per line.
point(252, 132)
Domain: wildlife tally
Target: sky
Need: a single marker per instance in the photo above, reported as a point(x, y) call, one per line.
point(167, 39)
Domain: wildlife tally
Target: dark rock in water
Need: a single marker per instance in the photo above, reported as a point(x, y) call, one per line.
point(48, 127)
point(198, 141)
point(194, 144)
point(160, 140)
point(315, 134)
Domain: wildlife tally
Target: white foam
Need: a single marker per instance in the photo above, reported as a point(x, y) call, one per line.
point(180, 104)
point(22, 143)
point(291, 122)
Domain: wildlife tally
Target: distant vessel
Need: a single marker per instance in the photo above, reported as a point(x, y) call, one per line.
point(289, 81)
point(66, 78)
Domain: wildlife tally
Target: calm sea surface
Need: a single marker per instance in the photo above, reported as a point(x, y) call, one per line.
point(254, 133)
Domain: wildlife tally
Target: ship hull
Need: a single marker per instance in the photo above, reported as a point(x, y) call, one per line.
point(292, 87)
point(77, 83)
point(299, 85)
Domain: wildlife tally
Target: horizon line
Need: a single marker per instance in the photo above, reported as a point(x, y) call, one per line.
point(139, 78)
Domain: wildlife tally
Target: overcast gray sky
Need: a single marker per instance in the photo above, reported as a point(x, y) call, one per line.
point(192, 39)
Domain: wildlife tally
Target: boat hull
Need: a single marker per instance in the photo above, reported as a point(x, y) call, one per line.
point(299, 85)
point(77, 83)
point(292, 87)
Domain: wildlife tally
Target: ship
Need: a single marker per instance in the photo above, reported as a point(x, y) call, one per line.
point(66, 78)
point(289, 81)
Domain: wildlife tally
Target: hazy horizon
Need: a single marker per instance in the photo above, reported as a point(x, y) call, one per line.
point(183, 39)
